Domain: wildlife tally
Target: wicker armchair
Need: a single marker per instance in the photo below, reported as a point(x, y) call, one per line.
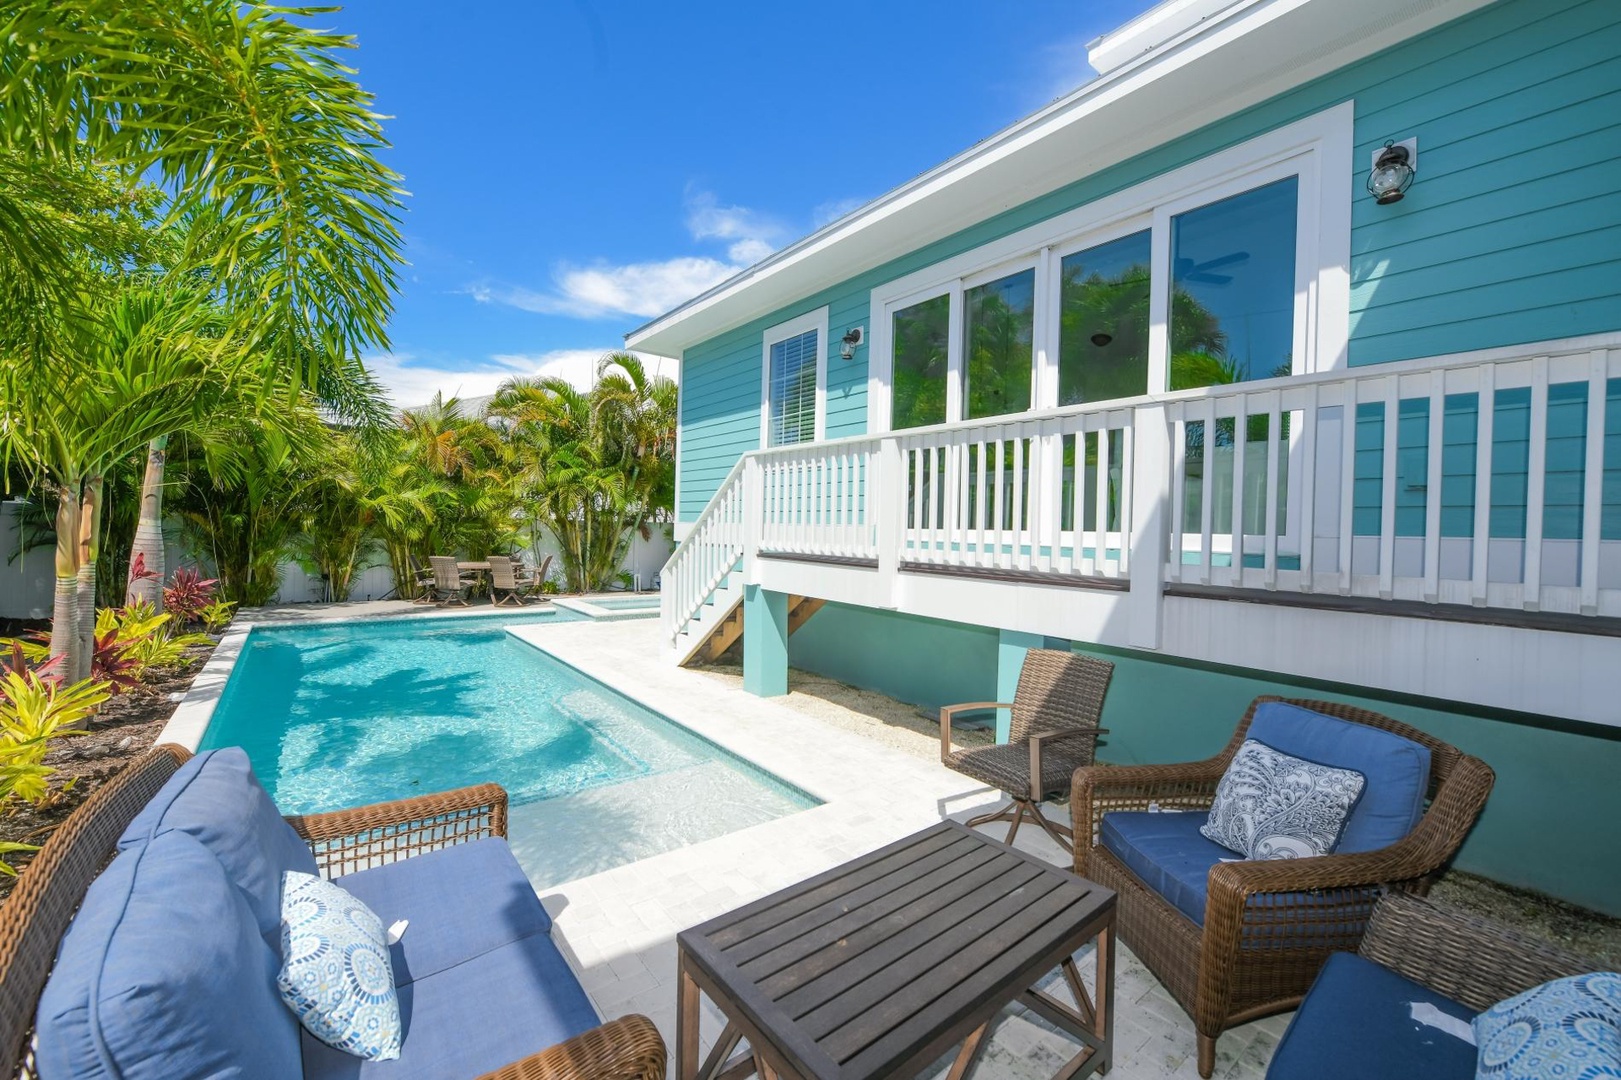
point(1054, 731)
point(1268, 925)
point(36, 915)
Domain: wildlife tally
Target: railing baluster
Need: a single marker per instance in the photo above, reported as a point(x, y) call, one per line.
point(1387, 488)
point(1306, 484)
point(1598, 370)
point(1127, 468)
point(1054, 451)
point(1084, 563)
point(1207, 494)
point(916, 512)
point(1235, 569)
point(1348, 486)
point(982, 505)
point(1104, 565)
point(1179, 483)
point(1435, 451)
point(1269, 526)
point(1018, 523)
point(1536, 487)
point(1480, 546)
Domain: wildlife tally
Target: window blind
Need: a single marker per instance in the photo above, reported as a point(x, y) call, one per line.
point(793, 389)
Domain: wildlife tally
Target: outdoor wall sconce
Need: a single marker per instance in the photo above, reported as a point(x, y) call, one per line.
point(852, 338)
point(1393, 170)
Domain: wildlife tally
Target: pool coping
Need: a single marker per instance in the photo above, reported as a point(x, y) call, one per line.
point(604, 614)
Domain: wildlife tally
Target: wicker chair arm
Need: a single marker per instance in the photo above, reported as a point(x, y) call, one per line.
point(628, 1048)
point(948, 712)
point(344, 841)
point(1467, 958)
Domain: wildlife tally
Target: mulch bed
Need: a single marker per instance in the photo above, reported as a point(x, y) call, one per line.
point(124, 728)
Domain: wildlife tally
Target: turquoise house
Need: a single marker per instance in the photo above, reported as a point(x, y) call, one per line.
point(1284, 356)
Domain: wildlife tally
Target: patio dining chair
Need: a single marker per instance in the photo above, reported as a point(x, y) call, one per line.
point(423, 580)
point(450, 585)
point(506, 587)
point(1054, 731)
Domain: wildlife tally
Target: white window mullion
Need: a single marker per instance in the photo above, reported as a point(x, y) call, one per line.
point(956, 376)
point(1159, 304)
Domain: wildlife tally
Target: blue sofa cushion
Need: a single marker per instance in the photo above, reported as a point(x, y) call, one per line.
point(1357, 1024)
point(216, 799)
point(163, 973)
point(1397, 769)
point(1167, 852)
point(460, 902)
point(473, 1018)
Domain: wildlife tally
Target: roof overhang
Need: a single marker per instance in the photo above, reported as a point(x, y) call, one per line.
point(1229, 58)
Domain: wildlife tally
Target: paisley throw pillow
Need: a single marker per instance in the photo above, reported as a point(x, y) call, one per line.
point(1565, 1028)
point(1270, 805)
point(335, 973)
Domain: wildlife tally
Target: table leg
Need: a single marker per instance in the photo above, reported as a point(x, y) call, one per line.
point(969, 1053)
point(1077, 989)
point(1103, 998)
point(687, 1013)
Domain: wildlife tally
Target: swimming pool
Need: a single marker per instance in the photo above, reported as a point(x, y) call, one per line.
point(347, 713)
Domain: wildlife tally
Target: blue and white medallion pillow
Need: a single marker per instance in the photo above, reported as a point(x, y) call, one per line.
point(1565, 1028)
point(1270, 805)
point(335, 972)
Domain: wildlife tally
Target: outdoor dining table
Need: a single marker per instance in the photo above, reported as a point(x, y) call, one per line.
point(878, 967)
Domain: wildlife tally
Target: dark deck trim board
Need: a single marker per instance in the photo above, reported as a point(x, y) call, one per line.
point(821, 560)
point(1556, 622)
point(1018, 577)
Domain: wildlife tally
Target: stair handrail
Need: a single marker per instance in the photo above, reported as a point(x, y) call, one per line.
point(676, 610)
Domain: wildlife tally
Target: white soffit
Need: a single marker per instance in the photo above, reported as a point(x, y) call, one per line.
point(1252, 51)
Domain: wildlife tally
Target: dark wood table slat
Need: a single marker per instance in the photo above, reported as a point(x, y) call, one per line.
point(836, 944)
point(956, 858)
point(732, 929)
point(877, 967)
point(932, 970)
point(891, 964)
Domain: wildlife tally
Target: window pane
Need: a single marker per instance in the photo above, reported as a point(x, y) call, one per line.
point(1103, 338)
point(793, 390)
point(920, 363)
point(1233, 288)
point(998, 318)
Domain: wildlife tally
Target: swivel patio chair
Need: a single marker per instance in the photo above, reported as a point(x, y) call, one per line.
point(505, 585)
point(1233, 939)
point(450, 585)
point(1054, 731)
point(422, 578)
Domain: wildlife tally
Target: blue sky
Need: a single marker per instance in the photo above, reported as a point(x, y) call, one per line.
point(577, 167)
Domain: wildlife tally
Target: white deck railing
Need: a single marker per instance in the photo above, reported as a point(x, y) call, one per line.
point(1405, 486)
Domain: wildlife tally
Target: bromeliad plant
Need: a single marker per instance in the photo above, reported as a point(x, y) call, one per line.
point(187, 594)
point(216, 616)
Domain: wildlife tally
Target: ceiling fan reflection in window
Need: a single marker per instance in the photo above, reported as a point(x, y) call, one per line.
point(1203, 272)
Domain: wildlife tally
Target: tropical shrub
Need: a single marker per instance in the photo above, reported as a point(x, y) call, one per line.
point(187, 593)
point(34, 712)
point(216, 616)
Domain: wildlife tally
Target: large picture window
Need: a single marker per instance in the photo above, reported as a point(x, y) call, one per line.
point(794, 358)
point(1233, 288)
point(998, 320)
point(1103, 321)
point(920, 336)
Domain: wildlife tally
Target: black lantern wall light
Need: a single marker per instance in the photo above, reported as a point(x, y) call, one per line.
point(1393, 170)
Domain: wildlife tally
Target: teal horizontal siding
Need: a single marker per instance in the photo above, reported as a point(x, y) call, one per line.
point(1510, 234)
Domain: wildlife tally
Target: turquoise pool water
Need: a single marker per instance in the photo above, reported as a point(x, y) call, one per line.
point(342, 714)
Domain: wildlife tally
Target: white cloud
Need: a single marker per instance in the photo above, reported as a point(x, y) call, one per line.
point(646, 289)
point(409, 383)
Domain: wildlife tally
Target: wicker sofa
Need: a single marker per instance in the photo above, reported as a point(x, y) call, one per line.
point(1233, 941)
point(141, 938)
point(1357, 1021)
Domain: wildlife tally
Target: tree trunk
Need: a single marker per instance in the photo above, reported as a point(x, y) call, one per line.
point(89, 539)
point(148, 546)
point(65, 610)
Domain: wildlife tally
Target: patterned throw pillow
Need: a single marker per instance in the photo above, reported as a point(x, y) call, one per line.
point(335, 973)
point(1270, 805)
point(1566, 1028)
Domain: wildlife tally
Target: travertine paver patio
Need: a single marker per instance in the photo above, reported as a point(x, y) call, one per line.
point(618, 927)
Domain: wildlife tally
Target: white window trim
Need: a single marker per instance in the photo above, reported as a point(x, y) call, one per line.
point(811, 320)
point(1317, 148)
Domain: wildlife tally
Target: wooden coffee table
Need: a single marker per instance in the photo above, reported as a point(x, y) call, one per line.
point(876, 968)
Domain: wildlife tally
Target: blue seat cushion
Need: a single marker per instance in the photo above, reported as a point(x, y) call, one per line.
point(163, 973)
point(1357, 1024)
point(1397, 769)
point(473, 1018)
point(216, 799)
point(461, 902)
point(1168, 853)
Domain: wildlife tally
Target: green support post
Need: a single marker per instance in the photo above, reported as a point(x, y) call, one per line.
point(765, 642)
